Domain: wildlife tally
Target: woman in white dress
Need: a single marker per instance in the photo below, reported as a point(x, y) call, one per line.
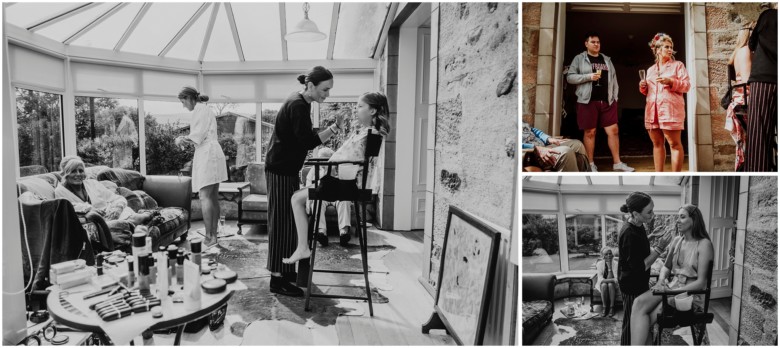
point(208, 166)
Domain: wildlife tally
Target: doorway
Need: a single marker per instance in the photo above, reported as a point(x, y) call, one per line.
point(624, 35)
point(414, 76)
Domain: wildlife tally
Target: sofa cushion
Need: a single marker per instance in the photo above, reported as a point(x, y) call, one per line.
point(137, 199)
point(129, 179)
point(255, 202)
point(37, 185)
point(173, 218)
point(110, 185)
point(536, 313)
point(93, 171)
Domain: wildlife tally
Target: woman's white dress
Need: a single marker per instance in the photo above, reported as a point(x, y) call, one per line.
point(208, 166)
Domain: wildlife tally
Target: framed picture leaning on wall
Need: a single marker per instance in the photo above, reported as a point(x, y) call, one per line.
point(465, 281)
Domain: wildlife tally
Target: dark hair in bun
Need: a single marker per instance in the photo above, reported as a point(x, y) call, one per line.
point(636, 201)
point(315, 75)
point(193, 94)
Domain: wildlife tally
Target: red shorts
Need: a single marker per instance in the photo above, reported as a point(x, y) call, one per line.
point(596, 114)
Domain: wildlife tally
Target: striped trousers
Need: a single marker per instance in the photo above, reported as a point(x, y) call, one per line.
point(628, 301)
point(761, 128)
point(282, 237)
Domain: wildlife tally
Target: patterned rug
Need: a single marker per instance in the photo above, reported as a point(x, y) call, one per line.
point(599, 331)
point(248, 258)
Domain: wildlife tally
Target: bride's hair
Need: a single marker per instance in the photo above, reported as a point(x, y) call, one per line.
point(378, 102)
point(698, 229)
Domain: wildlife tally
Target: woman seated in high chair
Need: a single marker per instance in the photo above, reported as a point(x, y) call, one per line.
point(690, 254)
point(372, 113)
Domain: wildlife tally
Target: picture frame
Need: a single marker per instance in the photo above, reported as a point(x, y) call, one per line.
point(465, 281)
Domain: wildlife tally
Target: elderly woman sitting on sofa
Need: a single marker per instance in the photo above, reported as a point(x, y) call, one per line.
point(116, 221)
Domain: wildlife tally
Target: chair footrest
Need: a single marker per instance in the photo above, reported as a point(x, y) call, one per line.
point(336, 271)
point(340, 296)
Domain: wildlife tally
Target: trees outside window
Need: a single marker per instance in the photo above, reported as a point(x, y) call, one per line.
point(540, 243)
point(107, 132)
point(39, 131)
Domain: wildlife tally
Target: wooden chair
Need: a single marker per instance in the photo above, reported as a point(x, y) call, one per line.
point(670, 318)
point(360, 197)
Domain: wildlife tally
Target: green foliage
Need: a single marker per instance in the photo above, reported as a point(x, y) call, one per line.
point(228, 145)
point(328, 113)
point(540, 231)
point(38, 119)
point(163, 157)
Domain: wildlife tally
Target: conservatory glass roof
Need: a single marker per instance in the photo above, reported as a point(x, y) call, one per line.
point(207, 31)
point(604, 180)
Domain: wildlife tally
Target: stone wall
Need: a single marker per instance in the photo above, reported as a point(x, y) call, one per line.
point(723, 23)
point(758, 317)
point(532, 14)
point(476, 117)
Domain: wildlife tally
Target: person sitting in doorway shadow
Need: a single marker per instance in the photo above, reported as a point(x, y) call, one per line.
point(561, 155)
point(342, 208)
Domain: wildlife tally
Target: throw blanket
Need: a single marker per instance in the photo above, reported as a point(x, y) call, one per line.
point(62, 239)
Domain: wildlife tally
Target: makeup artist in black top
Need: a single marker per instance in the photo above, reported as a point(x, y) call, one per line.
point(292, 138)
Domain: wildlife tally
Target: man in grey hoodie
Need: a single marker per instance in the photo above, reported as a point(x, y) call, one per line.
point(597, 97)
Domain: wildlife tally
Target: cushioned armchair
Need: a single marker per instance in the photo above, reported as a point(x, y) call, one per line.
point(538, 304)
point(253, 206)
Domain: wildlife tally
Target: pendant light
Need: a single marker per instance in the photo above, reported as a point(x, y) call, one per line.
point(306, 30)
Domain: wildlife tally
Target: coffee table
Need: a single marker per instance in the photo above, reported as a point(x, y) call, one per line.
point(175, 315)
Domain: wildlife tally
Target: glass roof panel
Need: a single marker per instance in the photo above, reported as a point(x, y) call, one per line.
point(636, 180)
point(258, 29)
point(604, 180)
point(62, 30)
point(158, 26)
point(546, 178)
point(107, 33)
point(189, 45)
point(26, 14)
point(321, 14)
point(358, 29)
point(221, 47)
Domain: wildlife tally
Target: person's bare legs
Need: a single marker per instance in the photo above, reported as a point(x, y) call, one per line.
point(298, 202)
point(613, 141)
point(604, 296)
point(676, 148)
point(209, 203)
point(612, 293)
point(659, 150)
point(641, 311)
point(589, 140)
point(140, 218)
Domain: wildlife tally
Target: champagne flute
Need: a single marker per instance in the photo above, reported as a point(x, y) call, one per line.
point(642, 74)
point(598, 82)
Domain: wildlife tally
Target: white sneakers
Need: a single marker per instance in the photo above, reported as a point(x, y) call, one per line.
point(620, 167)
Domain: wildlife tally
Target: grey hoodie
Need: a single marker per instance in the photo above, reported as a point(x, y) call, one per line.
point(579, 74)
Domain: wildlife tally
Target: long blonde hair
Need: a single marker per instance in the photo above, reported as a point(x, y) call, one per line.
point(742, 40)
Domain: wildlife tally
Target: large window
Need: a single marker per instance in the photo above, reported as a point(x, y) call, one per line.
point(540, 244)
point(236, 132)
point(163, 122)
point(39, 127)
point(107, 132)
point(583, 240)
point(328, 112)
point(268, 119)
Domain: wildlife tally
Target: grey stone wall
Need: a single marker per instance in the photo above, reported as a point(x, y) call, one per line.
point(723, 23)
point(758, 318)
point(476, 118)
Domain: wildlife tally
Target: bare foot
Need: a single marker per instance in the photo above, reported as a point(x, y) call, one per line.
point(297, 255)
point(209, 242)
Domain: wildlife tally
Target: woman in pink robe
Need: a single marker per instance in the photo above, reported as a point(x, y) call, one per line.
point(664, 85)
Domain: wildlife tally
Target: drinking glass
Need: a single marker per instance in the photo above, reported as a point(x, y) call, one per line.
point(221, 226)
point(642, 74)
point(598, 82)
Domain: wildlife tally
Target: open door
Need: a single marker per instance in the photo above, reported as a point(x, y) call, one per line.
point(421, 128)
point(723, 200)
